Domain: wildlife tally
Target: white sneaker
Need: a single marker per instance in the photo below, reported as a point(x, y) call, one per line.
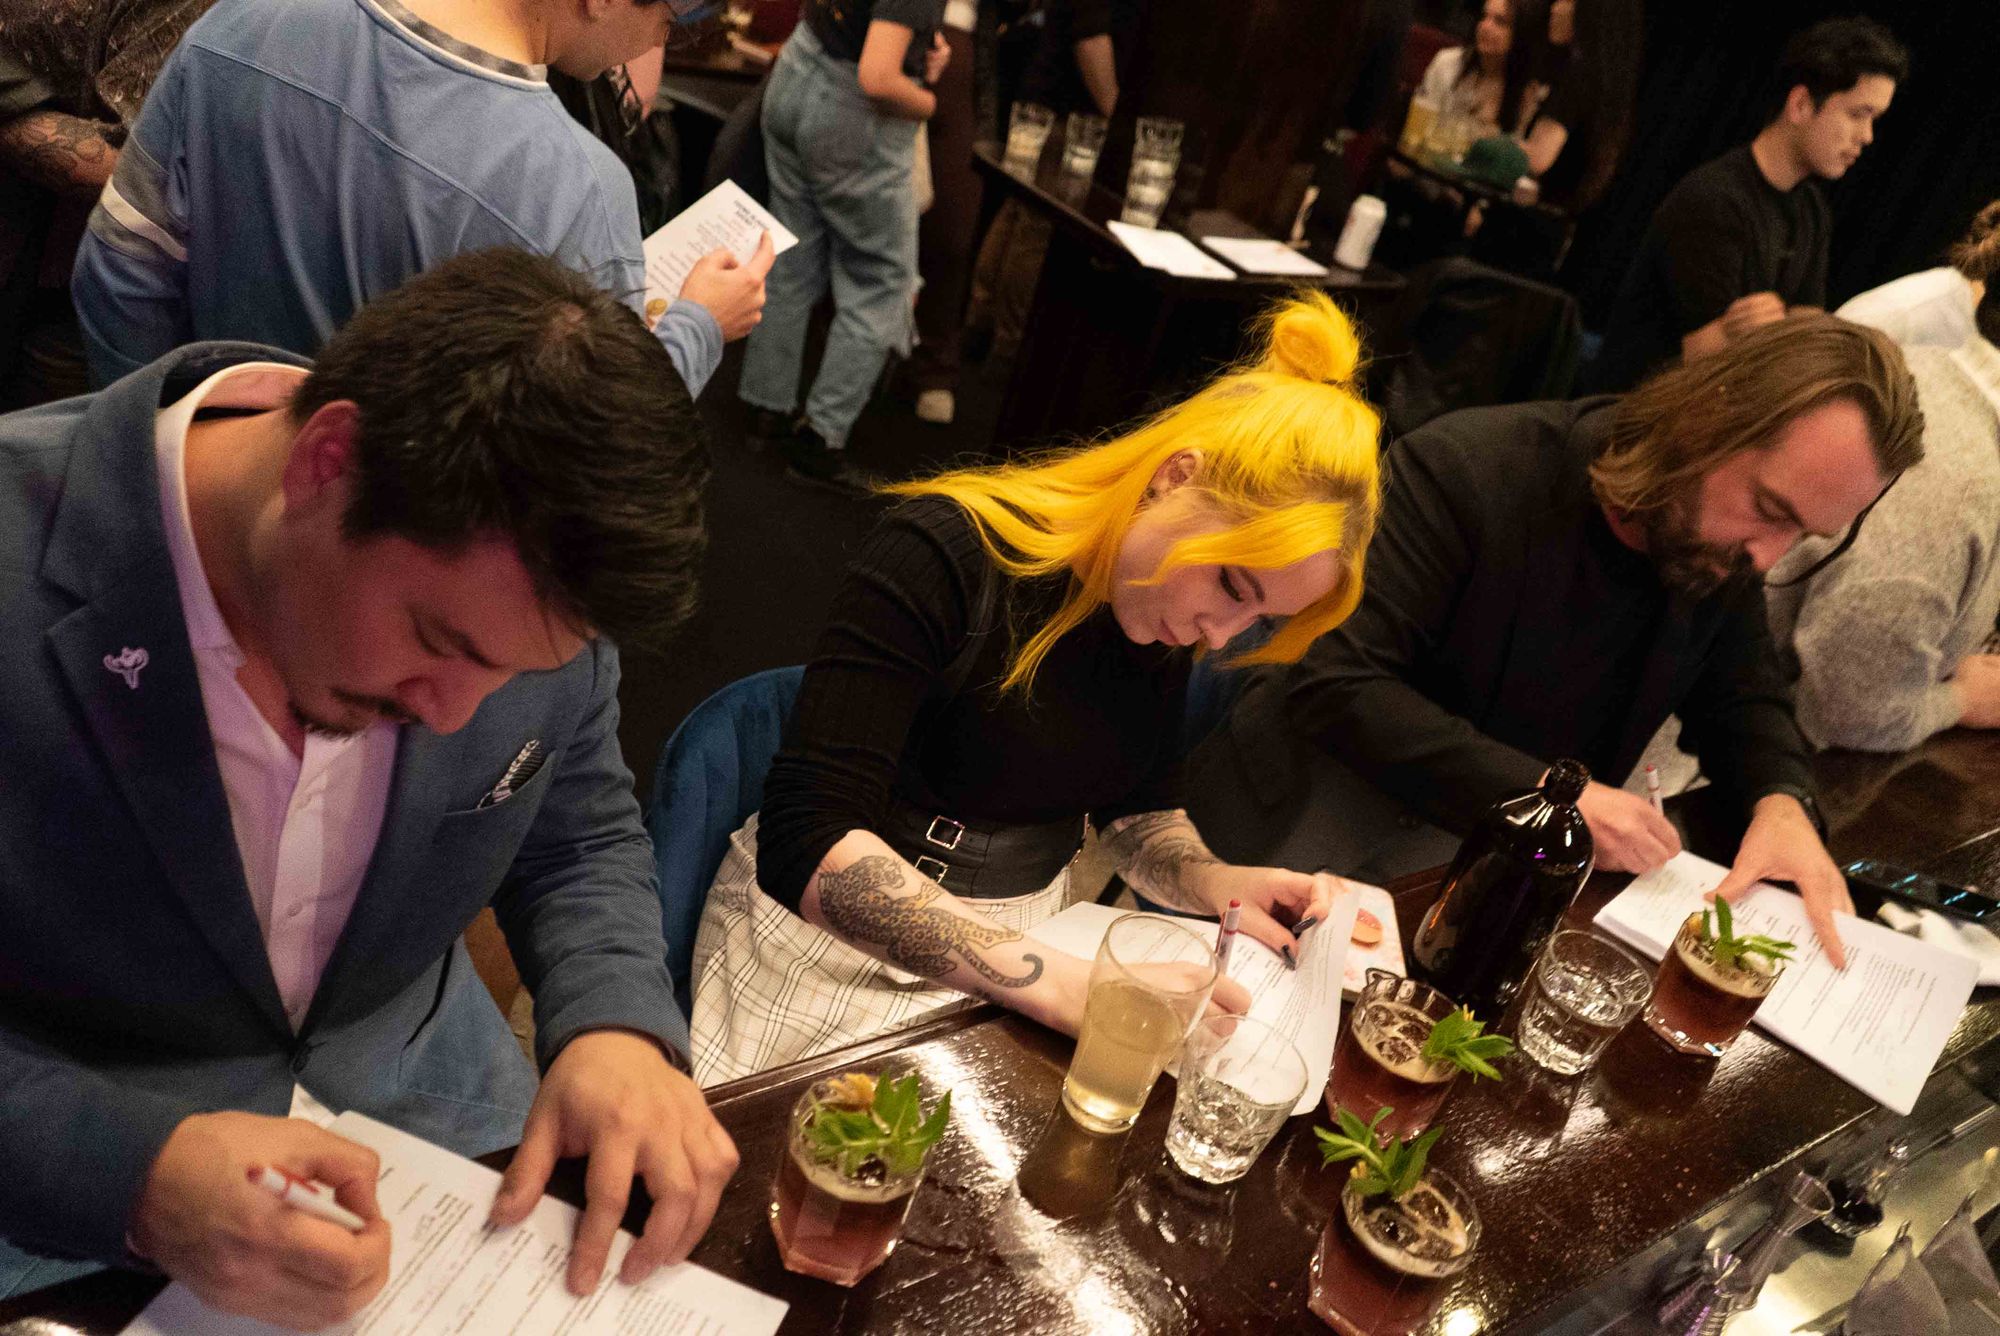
point(938, 406)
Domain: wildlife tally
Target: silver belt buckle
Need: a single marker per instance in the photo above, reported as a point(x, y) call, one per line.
point(956, 832)
point(934, 868)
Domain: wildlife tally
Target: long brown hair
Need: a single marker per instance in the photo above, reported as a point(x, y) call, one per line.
point(1674, 430)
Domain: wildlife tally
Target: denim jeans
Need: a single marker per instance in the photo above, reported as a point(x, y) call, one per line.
point(840, 180)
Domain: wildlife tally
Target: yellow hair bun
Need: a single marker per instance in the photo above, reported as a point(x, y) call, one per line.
point(1311, 338)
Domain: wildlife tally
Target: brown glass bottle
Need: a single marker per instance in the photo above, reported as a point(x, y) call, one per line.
point(1514, 876)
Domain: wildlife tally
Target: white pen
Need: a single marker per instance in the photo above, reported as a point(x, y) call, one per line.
point(302, 1194)
point(1653, 788)
point(1227, 937)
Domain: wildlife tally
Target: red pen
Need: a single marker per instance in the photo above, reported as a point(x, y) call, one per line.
point(1227, 937)
point(303, 1194)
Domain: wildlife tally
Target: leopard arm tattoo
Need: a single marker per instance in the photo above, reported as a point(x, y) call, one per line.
point(67, 154)
point(914, 932)
point(1155, 851)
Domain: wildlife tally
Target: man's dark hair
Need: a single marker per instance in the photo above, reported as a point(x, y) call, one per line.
point(1834, 55)
point(502, 395)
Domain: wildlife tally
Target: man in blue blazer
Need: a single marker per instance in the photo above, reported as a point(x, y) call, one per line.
point(306, 664)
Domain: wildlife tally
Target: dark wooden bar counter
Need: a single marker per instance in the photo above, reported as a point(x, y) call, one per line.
point(1027, 1224)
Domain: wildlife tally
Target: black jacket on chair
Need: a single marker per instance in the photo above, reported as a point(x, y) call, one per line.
point(1504, 625)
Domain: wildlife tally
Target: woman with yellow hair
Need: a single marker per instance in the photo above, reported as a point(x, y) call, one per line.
point(1009, 658)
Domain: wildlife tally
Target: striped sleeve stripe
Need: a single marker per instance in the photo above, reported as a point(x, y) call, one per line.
point(135, 202)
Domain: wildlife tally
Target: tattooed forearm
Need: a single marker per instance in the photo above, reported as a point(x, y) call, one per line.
point(66, 154)
point(1155, 853)
point(912, 930)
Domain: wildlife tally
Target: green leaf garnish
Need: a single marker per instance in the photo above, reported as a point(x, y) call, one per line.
point(1394, 1168)
point(1461, 1041)
point(890, 1127)
point(1718, 931)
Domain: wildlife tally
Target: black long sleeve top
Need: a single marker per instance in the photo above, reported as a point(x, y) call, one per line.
point(1097, 733)
point(1504, 626)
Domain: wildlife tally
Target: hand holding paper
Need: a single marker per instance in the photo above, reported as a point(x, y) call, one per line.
point(732, 292)
point(716, 252)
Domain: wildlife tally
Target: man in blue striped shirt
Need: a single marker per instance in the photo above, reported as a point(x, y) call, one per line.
point(293, 161)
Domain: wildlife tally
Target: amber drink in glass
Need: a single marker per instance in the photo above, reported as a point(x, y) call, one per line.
point(1150, 980)
point(1379, 1062)
point(1383, 1262)
point(838, 1217)
point(1702, 1004)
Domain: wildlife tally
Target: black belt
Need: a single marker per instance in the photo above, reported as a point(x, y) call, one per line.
point(982, 860)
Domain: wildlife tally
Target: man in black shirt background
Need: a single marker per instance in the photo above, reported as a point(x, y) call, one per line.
point(1742, 241)
point(1554, 580)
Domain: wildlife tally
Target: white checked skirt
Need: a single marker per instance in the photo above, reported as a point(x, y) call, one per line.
point(770, 988)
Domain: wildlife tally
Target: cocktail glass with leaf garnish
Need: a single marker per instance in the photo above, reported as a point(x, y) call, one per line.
point(855, 1154)
point(1712, 982)
point(1402, 1047)
point(1403, 1228)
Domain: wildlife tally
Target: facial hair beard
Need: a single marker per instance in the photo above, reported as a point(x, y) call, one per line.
point(1686, 564)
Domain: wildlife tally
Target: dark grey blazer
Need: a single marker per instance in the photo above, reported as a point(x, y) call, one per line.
point(134, 984)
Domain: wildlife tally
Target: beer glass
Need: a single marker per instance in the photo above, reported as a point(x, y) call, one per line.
point(1149, 982)
point(1379, 1062)
point(1156, 157)
point(1028, 126)
point(1083, 141)
point(1380, 1261)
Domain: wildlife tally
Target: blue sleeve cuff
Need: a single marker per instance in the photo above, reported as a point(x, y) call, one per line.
point(693, 340)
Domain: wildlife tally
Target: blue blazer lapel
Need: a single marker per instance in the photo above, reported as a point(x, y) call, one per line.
point(107, 547)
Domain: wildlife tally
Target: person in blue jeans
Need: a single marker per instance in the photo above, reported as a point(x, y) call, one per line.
point(840, 127)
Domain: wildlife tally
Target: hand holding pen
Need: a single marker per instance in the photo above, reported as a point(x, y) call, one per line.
point(204, 1218)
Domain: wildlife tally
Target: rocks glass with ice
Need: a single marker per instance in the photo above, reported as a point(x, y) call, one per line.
point(1239, 1080)
point(1703, 999)
point(1379, 1062)
point(1381, 1262)
point(838, 1215)
point(1584, 990)
point(1150, 980)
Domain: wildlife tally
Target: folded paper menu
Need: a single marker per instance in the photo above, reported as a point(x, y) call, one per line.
point(726, 218)
point(449, 1272)
point(1169, 251)
point(1879, 1024)
point(1264, 255)
point(1303, 1003)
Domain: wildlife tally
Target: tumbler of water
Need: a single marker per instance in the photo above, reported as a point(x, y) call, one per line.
point(1239, 1080)
point(1584, 991)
